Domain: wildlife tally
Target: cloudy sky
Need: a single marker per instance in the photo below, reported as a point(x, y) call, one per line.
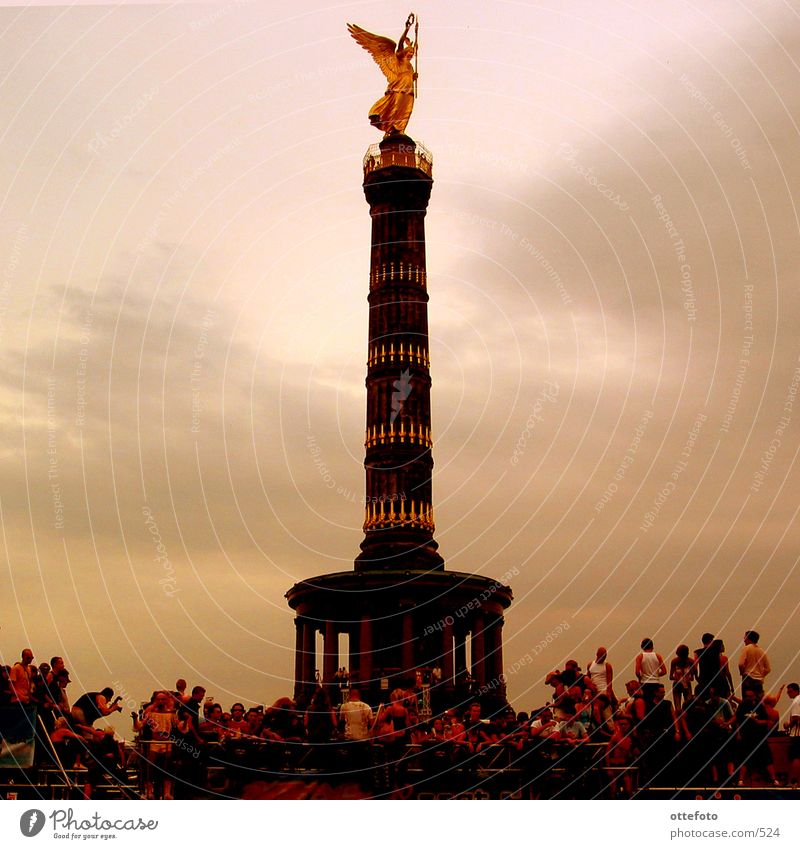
point(613, 255)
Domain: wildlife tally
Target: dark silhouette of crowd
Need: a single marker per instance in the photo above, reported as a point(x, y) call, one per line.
point(676, 723)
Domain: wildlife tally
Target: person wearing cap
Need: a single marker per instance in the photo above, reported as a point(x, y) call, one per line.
point(58, 691)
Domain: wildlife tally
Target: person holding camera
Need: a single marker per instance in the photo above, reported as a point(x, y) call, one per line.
point(92, 706)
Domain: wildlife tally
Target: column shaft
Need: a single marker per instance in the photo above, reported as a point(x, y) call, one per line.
point(330, 662)
point(478, 644)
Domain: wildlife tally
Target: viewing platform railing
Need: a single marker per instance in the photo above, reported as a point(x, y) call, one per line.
point(403, 154)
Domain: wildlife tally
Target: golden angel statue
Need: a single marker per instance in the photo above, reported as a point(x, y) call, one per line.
point(392, 111)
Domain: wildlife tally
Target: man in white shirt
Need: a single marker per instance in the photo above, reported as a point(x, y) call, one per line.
point(357, 717)
point(792, 725)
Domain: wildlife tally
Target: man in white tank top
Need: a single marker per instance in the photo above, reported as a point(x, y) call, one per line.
point(650, 667)
point(602, 674)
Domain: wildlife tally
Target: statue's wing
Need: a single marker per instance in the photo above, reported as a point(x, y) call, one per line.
point(381, 48)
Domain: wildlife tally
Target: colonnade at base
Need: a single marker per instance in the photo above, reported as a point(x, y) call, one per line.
point(453, 640)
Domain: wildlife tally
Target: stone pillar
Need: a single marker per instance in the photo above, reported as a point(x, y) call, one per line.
point(478, 644)
point(298, 658)
point(447, 652)
point(460, 654)
point(407, 651)
point(330, 660)
point(495, 660)
point(354, 661)
point(365, 649)
point(309, 653)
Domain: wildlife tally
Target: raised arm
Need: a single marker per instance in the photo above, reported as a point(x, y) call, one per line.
point(409, 24)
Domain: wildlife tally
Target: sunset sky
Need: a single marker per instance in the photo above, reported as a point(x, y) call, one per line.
point(613, 258)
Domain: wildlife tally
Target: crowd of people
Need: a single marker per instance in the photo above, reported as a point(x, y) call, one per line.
point(705, 734)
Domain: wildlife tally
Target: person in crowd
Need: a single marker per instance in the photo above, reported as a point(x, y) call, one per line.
point(753, 727)
point(544, 725)
point(572, 731)
point(237, 724)
point(92, 706)
point(681, 673)
point(5, 686)
point(283, 721)
point(52, 698)
point(601, 675)
point(584, 708)
point(255, 723)
point(21, 679)
point(792, 726)
point(355, 717)
point(320, 718)
point(658, 733)
point(754, 664)
point(105, 760)
point(213, 729)
point(157, 746)
point(634, 705)
point(179, 693)
point(553, 679)
point(67, 743)
point(601, 726)
point(571, 676)
point(720, 736)
point(190, 716)
point(650, 669)
point(619, 757)
point(56, 665)
point(456, 732)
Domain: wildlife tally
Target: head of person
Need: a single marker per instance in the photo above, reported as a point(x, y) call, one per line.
point(27, 656)
point(602, 654)
point(475, 711)
point(237, 712)
point(793, 690)
point(717, 646)
point(44, 668)
point(107, 693)
point(707, 639)
point(62, 677)
point(632, 687)
point(162, 700)
point(355, 695)
point(180, 685)
point(215, 713)
point(623, 725)
point(545, 714)
point(56, 664)
point(682, 652)
point(647, 644)
point(198, 692)
point(659, 693)
point(749, 696)
point(751, 638)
